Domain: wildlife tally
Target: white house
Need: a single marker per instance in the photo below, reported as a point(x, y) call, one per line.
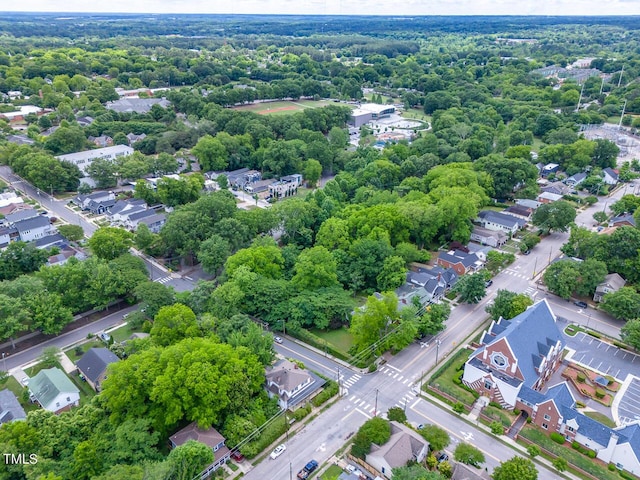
point(53, 390)
point(33, 228)
point(289, 383)
point(610, 176)
point(83, 159)
point(500, 221)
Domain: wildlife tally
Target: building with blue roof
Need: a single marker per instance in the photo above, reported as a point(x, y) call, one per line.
point(516, 358)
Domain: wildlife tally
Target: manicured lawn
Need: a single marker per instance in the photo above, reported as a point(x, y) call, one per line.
point(506, 417)
point(341, 339)
point(572, 456)
point(122, 333)
point(416, 114)
point(443, 379)
point(32, 371)
point(281, 107)
point(332, 473)
point(571, 330)
point(17, 389)
point(602, 418)
point(86, 392)
point(74, 356)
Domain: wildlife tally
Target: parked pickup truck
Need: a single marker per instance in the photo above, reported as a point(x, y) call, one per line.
point(308, 468)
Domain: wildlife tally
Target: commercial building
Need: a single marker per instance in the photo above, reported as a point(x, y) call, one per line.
point(84, 159)
point(368, 112)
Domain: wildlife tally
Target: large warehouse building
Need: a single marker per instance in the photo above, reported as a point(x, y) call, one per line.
point(370, 111)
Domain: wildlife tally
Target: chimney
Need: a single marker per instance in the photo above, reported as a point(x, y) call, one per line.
point(514, 366)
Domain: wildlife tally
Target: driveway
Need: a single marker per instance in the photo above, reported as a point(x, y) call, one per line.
point(601, 356)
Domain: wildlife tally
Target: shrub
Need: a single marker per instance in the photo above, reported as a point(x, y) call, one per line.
point(372, 368)
point(575, 445)
point(302, 412)
point(611, 467)
point(330, 389)
point(581, 377)
point(580, 404)
point(396, 414)
point(495, 405)
point(456, 379)
point(610, 379)
point(591, 454)
point(533, 450)
point(528, 419)
point(496, 428)
point(600, 393)
point(557, 437)
point(516, 412)
point(458, 407)
point(560, 464)
point(594, 334)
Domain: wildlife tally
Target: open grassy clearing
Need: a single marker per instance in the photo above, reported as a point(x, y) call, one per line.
point(282, 107)
point(340, 339)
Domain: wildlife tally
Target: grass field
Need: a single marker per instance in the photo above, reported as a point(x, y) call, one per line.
point(282, 107)
point(443, 380)
point(416, 114)
point(332, 473)
point(341, 339)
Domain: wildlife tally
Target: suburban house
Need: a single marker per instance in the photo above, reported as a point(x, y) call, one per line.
point(500, 221)
point(210, 437)
point(459, 261)
point(52, 240)
point(259, 187)
point(290, 384)
point(20, 139)
point(101, 141)
point(136, 105)
point(97, 202)
point(119, 212)
point(133, 138)
point(424, 286)
point(93, 365)
point(33, 228)
point(519, 211)
point(64, 256)
point(83, 159)
point(610, 176)
point(559, 188)
point(8, 235)
point(626, 219)
point(153, 222)
point(242, 178)
point(286, 186)
point(10, 408)
point(509, 358)
point(549, 168)
point(53, 390)
point(577, 179)
point(20, 114)
point(548, 197)
point(462, 471)
point(485, 236)
point(612, 283)
point(23, 214)
point(84, 121)
point(526, 202)
point(404, 446)
point(135, 218)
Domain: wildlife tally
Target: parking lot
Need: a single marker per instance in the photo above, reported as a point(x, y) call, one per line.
point(602, 357)
point(629, 404)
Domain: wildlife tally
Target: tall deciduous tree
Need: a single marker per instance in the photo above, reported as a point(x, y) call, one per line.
point(623, 304)
point(110, 242)
point(369, 324)
point(436, 436)
point(471, 288)
point(213, 252)
point(554, 216)
point(174, 323)
point(630, 333)
point(211, 154)
point(315, 268)
point(508, 304)
point(517, 468)
point(468, 454)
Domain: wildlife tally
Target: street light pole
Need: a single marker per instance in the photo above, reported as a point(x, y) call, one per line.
point(438, 342)
point(589, 320)
point(4, 362)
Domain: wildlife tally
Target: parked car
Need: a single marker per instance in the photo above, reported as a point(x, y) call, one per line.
point(104, 336)
point(279, 450)
point(237, 456)
point(308, 468)
point(580, 304)
point(443, 458)
point(421, 426)
point(277, 339)
point(488, 283)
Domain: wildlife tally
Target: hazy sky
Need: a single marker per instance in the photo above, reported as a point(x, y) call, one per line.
point(336, 7)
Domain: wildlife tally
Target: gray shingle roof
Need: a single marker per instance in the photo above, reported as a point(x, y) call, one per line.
point(10, 408)
point(94, 362)
point(21, 215)
point(458, 256)
point(537, 322)
point(508, 221)
point(30, 223)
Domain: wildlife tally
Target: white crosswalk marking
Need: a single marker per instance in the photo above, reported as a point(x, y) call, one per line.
point(164, 279)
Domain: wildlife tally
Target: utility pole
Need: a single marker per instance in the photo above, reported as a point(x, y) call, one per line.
point(4, 362)
point(589, 320)
point(438, 342)
point(375, 410)
point(624, 107)
point(580, 98)
point(535, 267)
point(620, 79)
point(601, 86)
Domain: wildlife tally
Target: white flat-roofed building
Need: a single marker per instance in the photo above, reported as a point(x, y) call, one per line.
point(21, 113)
point(370, 111)
point(83, 159)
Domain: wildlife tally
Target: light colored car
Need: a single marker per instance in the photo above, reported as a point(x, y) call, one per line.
point(277, 339)
point(104, 337)
point(279, 450)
